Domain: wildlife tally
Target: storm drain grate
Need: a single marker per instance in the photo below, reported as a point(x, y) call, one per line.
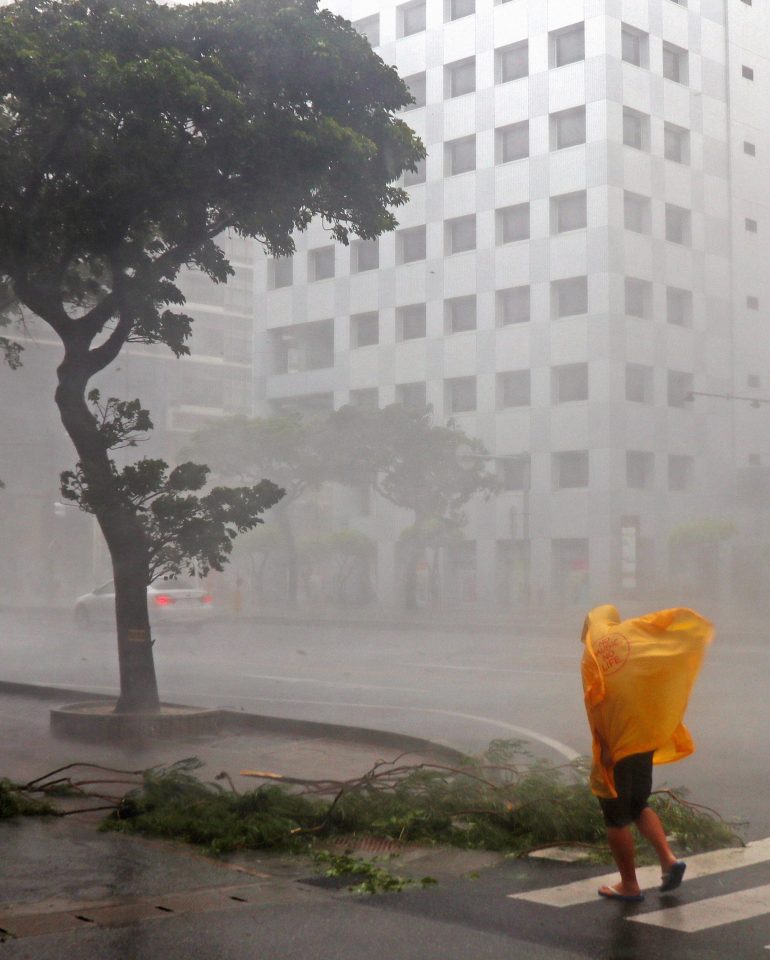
point(372, 845)
point(24, 923)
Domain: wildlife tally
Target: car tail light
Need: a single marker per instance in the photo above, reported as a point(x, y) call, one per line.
point(207, 599)
point(163, 600)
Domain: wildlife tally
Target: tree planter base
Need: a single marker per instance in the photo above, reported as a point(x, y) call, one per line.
point(96, 720)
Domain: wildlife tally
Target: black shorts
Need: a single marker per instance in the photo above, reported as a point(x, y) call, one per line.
point(633, 782)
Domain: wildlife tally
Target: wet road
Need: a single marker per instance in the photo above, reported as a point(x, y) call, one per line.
point(461, 688)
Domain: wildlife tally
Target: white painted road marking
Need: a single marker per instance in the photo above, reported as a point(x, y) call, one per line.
point(713, 912)
point(567, 752)
point(701, 865)
point(561, 748)
point(331, 683)
point(491, 671)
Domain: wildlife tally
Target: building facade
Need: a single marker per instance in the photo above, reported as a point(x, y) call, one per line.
point(580, 267)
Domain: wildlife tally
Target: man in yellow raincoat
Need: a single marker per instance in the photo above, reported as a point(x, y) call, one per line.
point(637, 677)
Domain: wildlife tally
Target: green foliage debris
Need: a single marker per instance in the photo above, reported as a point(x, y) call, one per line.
point(503, 801)
point(14, 802)
point(370, 876)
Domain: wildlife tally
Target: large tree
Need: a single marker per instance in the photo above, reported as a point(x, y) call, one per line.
point(132, 135)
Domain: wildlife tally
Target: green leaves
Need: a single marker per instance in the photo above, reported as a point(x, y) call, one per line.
point(182, 531)
point(121, 423)
point(132, 133)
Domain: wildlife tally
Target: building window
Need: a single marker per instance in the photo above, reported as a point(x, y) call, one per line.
point(512, 305)
point(512, 62)
point(364, 329)
point(412, 395)
point(460, 78)
point(679, 307)
point(456, 9)
point(417, 87)
point(459, 156)
point(367, 398)
point(460, 314)
point(570, 469)
point(513, 389)
point(513, 223)
point(674, 63)
point(638, 383)
point(752, 303)
point(512, 142)
point(747, 2)
point(281, 272)
point(461, 395)
point(747, 72)
point(515, 472)
point(321, 263)
point(638, 297)
point(636, 129)
point(303, 346)
point(567, 45)
point(569, 297)
point(369, 27)
point(634, 46)
point(636, 212)
point(677, 224)
point(460, 234)
point(411, 18)
point(412, 177)
point(640, 467)
point(749, 148)
point(680, 472)
point(364, 255)
point(569, 383)
point(410, 322)
point(568, 212)
point(679, 388)
point(676, 143)
point(410, 244)
point(753, 381)
point(568, 128)
point(751, 225)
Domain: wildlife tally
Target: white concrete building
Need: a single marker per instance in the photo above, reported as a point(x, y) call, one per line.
point(582, 250)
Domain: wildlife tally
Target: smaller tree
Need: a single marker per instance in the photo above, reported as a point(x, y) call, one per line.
point(287, 449)
point(432, 471)
point(346, 552)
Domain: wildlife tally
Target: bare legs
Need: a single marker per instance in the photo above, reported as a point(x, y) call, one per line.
point(650, 827)
point(621, 842)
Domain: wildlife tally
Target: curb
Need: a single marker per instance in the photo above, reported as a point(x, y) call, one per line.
point(441, 622)
point(218, 720)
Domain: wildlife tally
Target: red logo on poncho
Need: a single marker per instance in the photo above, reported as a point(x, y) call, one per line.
point(612, 652)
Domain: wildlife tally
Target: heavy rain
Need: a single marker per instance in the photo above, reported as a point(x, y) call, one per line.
point(350, 355)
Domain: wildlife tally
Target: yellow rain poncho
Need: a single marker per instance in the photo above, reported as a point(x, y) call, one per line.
point(637, 678)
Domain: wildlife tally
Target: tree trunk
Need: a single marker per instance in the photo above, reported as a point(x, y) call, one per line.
point(414, 554)
point(291, 554)
point(125, 542)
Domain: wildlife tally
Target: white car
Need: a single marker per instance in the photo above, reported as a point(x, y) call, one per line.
point(182, 602)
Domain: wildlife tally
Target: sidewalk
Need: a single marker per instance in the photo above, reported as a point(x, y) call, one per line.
point(58, 876)
point(301, 749)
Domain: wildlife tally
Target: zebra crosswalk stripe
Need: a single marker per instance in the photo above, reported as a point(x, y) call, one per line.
point(713, 912)
point(701, 865)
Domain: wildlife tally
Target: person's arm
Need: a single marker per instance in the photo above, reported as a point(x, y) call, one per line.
point(604, 747)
